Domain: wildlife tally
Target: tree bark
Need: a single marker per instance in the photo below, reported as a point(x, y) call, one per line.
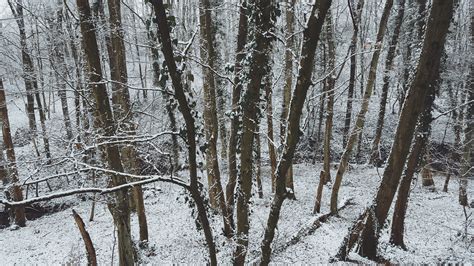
point(208, 55)
point(91, 255)
point(364, 108)
point(310, 41)
point(15, 189)
point(356, 15)
point(427, 71)
point(105, 123)
point(290, 43)
point(185, 109)
point(122, 108)
point(235, 123)
point(260, 68)
point(375, 154)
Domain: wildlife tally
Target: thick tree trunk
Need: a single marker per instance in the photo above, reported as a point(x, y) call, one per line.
point(427, 71)
point(176, 78)
point(310, 41)
point(419, 148)
point(15, 189)
point(105, 123)
point(392, 47)
point(260, 68)
point(359, 125)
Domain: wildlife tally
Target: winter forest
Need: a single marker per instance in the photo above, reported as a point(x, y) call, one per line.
point(236, 132)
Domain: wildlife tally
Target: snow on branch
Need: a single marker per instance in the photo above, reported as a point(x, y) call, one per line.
point(101, 191)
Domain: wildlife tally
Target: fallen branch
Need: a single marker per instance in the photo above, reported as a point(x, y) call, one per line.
point(101, 191)
point(309, 230)
point(91, 255)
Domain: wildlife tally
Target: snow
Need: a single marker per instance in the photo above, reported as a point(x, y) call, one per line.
point(433, 227)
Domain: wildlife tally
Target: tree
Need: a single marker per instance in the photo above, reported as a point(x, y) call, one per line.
point(236, 95)
point(122, 107)
point(13, 178)
point(356, 18)
point(367, 228)
point(185, 109)
point(330, 82)
point(104, 122)
point(310, 41)
point(392, 46)
point(364, 108)
point(290, 17)
point(216, 195)
point(259, 67)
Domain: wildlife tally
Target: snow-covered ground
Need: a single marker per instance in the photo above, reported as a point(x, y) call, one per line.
point(434, 227)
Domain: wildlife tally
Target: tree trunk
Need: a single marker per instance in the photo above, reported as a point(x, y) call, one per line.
point(105, 123)
point(419, 148)
point(392, 47)
point(28, 71)
point(235, 124)
point(15, 189)
point(290, 17)
point(176, 78)
point(208, 55)
point(352, 76)
point(122, 108)
point(467, 171)
point(364, 108)
point(427, 71)
point(308, 49)
point(260, 68)
point(271, 140)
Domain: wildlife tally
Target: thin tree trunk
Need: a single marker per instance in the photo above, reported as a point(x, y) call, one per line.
point(375, 154)
point(467, 171)
point(364, 108)
point(208, 55)
point(356, 15)
point(15, 189)
point(235, 124)
point(310, 41)
point(271, 140)
point(290, 43)
point(91, 255)
point(28, 71)
point(325, 176)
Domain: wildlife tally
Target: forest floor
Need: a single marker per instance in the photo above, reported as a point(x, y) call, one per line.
point(435, 226)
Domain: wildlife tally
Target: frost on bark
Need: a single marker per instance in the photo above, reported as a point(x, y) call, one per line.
point(259, 69)
point(310, 41)
point(367, 228)
point(360, 121)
